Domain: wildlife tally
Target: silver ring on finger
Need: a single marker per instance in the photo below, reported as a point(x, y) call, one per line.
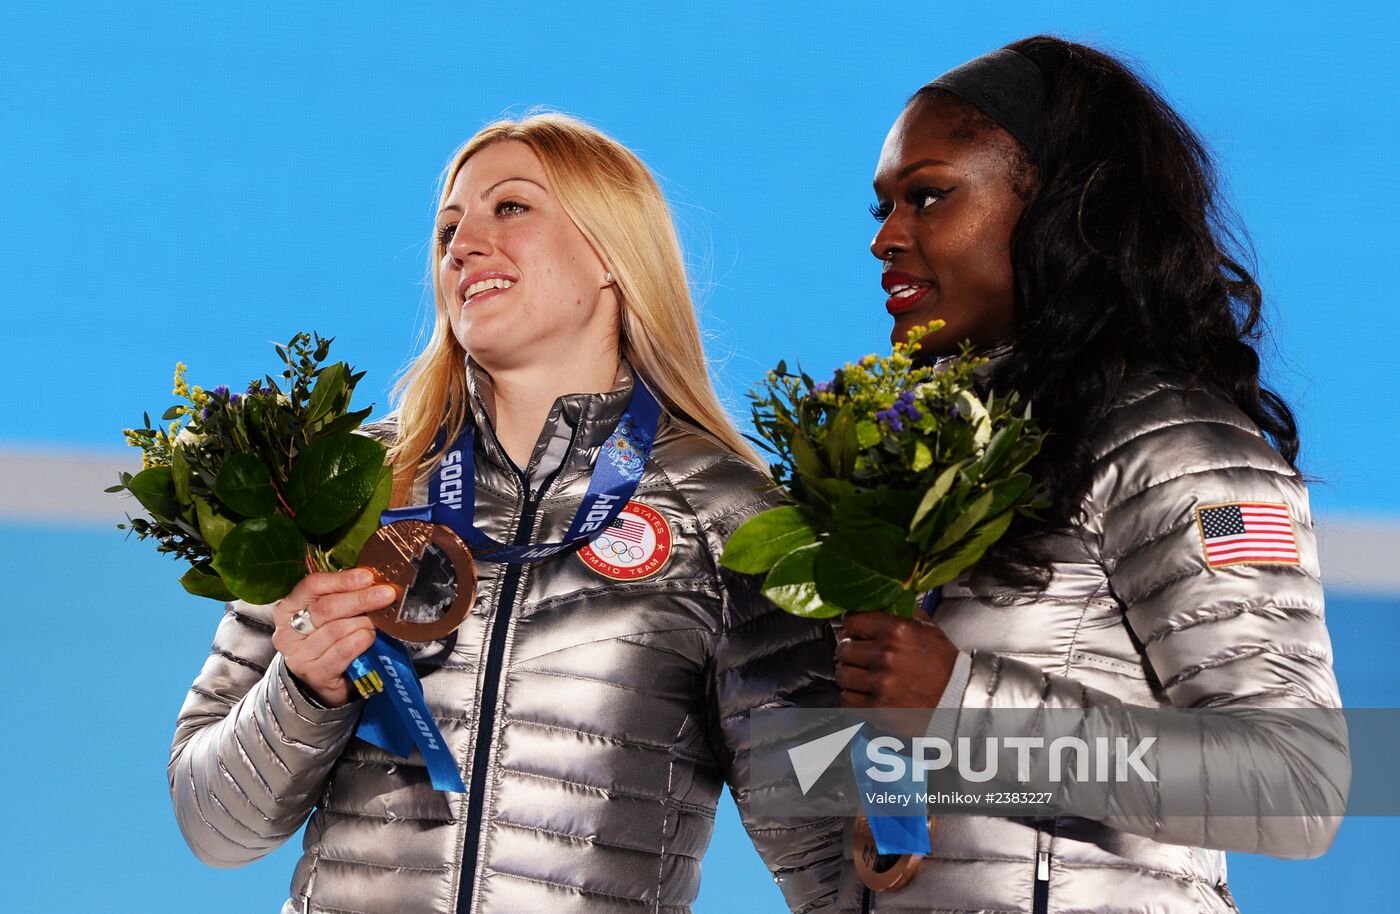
point(301, 621)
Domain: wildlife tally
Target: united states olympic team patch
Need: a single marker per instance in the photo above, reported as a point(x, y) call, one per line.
point(1244, 531)
point(634, 546)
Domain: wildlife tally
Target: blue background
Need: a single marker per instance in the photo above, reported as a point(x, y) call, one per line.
point(191, 181)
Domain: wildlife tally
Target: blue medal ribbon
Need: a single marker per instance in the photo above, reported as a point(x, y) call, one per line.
point(615, 477)
point(397, 719)
point(907, 831)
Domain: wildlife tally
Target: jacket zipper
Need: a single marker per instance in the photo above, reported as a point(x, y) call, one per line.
point(490, 689)
point(867, 900)
point(1040, 898)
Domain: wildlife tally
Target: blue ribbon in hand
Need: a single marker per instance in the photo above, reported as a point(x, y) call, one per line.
point(397, 719)
point(906, 831)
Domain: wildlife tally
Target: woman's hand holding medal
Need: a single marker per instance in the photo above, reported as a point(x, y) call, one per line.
point(336, 605)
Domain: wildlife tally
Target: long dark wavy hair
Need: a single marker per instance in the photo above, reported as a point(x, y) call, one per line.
point(1124, 260)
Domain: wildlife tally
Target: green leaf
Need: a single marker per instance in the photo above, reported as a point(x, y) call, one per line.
point(964, 523)
point(833, 490)
point(847, 576)
point(180, 475)
point(805, 459)
point(1000, 445)
point(214, 524)
point(935, 494)
point(346, 551)
point(923, 457)
point(842, 442)
point(791, 585)
point(332, 479)
point(1008, 493)
point(154, 488)
point(330, 381)
point(966, 555)
point(202, 581)
point(346, 423)
point(262, 558)
point(171, 413)
point(903, 606)
point(244, 484)
point(763, 539)
point(884, 510)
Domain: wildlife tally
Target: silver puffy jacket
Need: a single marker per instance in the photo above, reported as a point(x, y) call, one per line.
point(1134, 616)
point(594, 720)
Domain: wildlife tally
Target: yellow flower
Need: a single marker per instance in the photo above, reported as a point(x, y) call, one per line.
point(182, 389)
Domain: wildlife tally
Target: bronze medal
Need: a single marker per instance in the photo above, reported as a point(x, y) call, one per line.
point(881, 872)
point(417, 556)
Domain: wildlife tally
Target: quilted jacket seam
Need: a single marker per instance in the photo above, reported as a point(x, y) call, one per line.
point(1221, 660)
point(594, 842)
point(607, 792)
point(605, 737)
point(382, 866)
point(572, 888)
point(1202, 471)
point(1235, 609)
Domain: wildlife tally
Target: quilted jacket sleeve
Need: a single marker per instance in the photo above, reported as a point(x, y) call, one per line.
point(251, 753)
point(1222, 636)
point(766, 658)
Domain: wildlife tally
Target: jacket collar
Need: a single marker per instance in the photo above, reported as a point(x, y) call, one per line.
point(577, 426)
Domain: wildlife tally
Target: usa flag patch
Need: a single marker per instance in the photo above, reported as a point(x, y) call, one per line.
point(1247, 532)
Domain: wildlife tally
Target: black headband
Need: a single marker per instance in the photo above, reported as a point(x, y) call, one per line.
point(1006, 86)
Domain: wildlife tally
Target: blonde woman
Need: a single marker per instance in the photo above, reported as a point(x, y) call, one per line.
point(594, 702)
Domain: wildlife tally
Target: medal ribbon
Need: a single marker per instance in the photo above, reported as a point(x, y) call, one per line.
point(615, 477)
point(396, 718)
point(906, 832)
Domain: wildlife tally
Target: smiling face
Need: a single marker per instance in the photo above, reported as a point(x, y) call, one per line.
point(947, 198)
point(521, 283)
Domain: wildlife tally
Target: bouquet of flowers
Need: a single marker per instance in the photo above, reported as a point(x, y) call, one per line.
point(900, 476)
point(255, 489)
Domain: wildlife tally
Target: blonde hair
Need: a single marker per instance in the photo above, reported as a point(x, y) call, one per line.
point(615, 202)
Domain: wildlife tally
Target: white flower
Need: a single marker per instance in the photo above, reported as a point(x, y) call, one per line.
point(975, 412)
point(187, 438)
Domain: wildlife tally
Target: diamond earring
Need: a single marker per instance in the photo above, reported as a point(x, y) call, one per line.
point(609, 278)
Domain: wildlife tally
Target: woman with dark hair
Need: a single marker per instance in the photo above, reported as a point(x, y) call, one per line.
point(1055, 211)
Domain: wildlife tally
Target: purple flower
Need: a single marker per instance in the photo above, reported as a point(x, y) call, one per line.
point(220, 392)
point(891, 418)
point(905, 405)
point(234, 399)
point(822, 388)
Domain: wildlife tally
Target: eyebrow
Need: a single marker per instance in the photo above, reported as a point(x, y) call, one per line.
point(485, 193)
point(912, 167)
point(452, 207)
